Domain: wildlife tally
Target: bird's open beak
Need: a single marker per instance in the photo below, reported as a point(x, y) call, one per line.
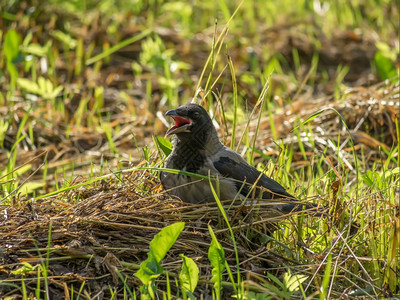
point(182, 124)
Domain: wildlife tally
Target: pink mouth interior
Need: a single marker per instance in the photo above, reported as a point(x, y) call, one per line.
point(180, 121)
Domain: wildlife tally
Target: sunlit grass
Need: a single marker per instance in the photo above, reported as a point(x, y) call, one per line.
point(41, 77)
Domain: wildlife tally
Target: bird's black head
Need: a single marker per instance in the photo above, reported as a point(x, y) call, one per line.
point(190, 119)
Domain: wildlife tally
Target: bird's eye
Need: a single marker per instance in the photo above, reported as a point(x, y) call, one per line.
point(195, 115)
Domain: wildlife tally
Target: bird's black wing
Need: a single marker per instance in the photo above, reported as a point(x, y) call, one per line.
point(231, 165)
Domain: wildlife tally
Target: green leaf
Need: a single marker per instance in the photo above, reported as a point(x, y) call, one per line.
point(276, 280)
point(42, 84)
point(389, 173)
point(326, 278)
point(150, 269)
point(387, 50)
point(367, 178)
point(26, 268)
point(257, 296)
point(29, 187)
point(3, 129)
point(28, 85)
point(23, 169)
point(292, 283)
point(164, 144)
point(189, 275)
point(12, 69)
point(216, 255)
point(11, 45)
point(384, 65)
point(55, 92)
point(36, 49)
point(273, 290)
point(44, 87)
point(64, 38)
point(164, 240)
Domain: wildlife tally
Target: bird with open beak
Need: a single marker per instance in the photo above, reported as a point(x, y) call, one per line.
point(197, 149)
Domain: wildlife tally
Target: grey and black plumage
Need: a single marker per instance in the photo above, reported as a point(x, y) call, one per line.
point(197, 149)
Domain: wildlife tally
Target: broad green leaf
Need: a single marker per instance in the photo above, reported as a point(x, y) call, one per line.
point(189, 275)
point(12, 53)
point(387, 50)
point(385, 67)
point(164, 240)
point(11, 45)
point(165, 145)
point(150, 269)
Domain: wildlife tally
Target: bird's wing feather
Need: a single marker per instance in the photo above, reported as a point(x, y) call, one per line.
point(230, 164)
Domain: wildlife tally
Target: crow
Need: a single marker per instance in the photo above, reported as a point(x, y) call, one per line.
point(197, 149)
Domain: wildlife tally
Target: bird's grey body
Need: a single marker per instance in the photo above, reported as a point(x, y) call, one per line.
point(200, 161)
point(196, 152)
point(197, 190)
point(197, 149)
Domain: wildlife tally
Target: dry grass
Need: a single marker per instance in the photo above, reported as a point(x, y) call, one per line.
point(109, 224)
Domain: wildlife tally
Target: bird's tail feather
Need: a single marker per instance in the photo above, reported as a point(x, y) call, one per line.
point(289, 206)
point(309, 208)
